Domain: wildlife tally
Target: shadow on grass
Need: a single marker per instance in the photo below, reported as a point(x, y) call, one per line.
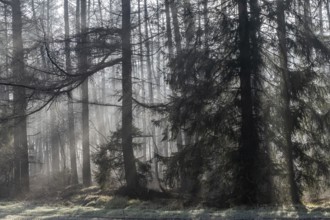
point(124, 208)
point(117, 209)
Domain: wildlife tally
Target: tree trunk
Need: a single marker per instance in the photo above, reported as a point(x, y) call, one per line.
point(285, 92)
point(246, 178)
point(72, 139)
point(157, 72)
point(5, 90)
point(168, 29)
point(321, 17)
point(153, 146)
point(21, 169)
point(263, 160)
point(78, 19)
point(206, 24)
point(189, 22)
point(307, 26)
point(328, 13)
point(144, 122)
point(55, 146)
point(100, 11)
point(83, 66)
point(177, 36)
point(178, 47)
point(127, 118)
point(170, 56)
point(147, 44)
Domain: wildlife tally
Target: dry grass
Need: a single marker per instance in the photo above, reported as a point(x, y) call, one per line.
point(91, 202)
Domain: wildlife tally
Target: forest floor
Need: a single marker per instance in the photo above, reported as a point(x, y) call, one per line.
point(91, 203)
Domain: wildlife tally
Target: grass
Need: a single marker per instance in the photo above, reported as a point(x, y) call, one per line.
point(91, 202)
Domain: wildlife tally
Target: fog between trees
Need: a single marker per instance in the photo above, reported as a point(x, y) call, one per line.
point(219, 102)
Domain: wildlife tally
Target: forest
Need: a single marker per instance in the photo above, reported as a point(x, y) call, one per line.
point(216, 103)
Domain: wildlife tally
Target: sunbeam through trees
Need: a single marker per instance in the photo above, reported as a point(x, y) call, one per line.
point(208, 102)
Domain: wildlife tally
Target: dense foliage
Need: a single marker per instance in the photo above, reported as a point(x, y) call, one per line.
point(110, 162)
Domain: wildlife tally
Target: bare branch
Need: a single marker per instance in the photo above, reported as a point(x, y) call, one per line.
point(152, 106)
point(98, 103)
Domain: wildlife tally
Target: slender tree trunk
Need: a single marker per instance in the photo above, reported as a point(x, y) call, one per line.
point(307, 26)
point(55, 150)
point(21, 169)
point(285, 92)
point(6, 88)
point(100, 11)
point(190, 31)
point(328, 13)
point(72, 139)
point(55, 143)
point(152, 147)
point(177, 36)
point(267, 144)
point(170, 56)
point(88, 12)
point(127, 118)
point(321, 17)
point(83, 66)
point(168, 29)
point(246, 178)
point(47, 144)
point(144, 122)
point(189, 22)
point(48, 30)
point(62, 152)
point(110, 12)
point(78, 19)
point(263, 169)
point(157, 72)
point(178, 47)
point(147, 45)
point(104, 99)
point(206, 24)
point(47, 160)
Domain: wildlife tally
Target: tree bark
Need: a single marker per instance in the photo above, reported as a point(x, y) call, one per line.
point(21, 169)
point(100, 11)
point(144, 122)
point(307, 18)
point(78, 19)
point(321, 17)
point(152, 147)
point(189, 22)
point(55, 145)
point(263, 159)
point(127, 118)
point(72, 139)
point(147, 45)
point(294, 197)
point(168, 29)
point(328, 13)
point(5, 91)
point(178, 47)
point(177, 36)
point(206, 24)
point(246, 178)
point(83, 66)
